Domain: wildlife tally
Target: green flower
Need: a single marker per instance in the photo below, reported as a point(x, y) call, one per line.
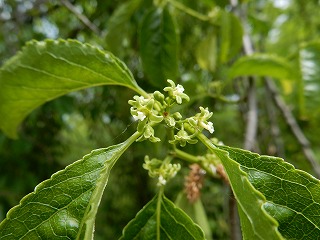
point(182, 137)
point(176, 92)
point(161, 169)
point(200, 120)
point(142, 110)
point(148, 133)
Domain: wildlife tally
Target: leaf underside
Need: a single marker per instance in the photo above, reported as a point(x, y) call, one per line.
point(64, 207)
point(289, 196)
point(175, 224)
point(43, 71)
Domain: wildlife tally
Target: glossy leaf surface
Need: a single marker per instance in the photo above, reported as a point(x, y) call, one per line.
point(262, 65)
point(65, 206)
point(274, 190)
point(159, 46)
point(174, 223)
point(46, 70)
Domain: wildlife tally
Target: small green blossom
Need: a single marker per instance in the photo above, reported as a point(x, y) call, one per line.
point(176, 92)
point(161, 181)
point(200, 120)
point(143, 110)
point(140, 116)
point(182, 137)
point(163, 170)
point(170, 121)
point(148, 133)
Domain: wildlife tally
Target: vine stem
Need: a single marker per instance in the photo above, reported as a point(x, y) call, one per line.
point(160, 194)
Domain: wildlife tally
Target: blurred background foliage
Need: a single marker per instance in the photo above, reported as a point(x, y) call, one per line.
point(209, 41)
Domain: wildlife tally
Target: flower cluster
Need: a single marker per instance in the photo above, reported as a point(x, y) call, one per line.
point(176, 92)
point(144, 111)
point(182, 137)
point(161, 169)
point(152, 109)
point(156, 107)
point(200, 120)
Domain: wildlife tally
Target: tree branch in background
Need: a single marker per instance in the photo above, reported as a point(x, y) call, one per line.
point(289, 118)
point(81, 17)
point(295, 129)
point(275, 131)
point(252, 117)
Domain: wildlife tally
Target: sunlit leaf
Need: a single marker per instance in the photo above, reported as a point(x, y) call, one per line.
point(174, 223)
point(272, 196)
point(262, 65)
point(159, 46)
point(46, 70)
point(65, 206)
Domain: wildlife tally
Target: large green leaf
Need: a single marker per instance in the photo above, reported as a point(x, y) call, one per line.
point(159, 46)
point(46, 70)
point(65, 206)
point(230, 36)
point(310, 82)
point(262, 65)
point(119, 26)
point(272, 195)
point(256, 223)
point(174, 223)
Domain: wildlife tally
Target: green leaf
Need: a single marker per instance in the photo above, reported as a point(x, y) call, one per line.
point(230, 36)
point(268, 186)
point(174, 223)
point(262, 65)
point(206, 53)
point(159, 46)
point(119, 25)
point(46, 70)
point(256, 223)
point(196, 212)
point(309, 59)
point(65, 206)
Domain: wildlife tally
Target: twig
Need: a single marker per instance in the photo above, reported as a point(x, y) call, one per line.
point(252, 115)
point(235, 232)
point(251, 120)
point(81, 17)
point(296, 130)
point(274, 128)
